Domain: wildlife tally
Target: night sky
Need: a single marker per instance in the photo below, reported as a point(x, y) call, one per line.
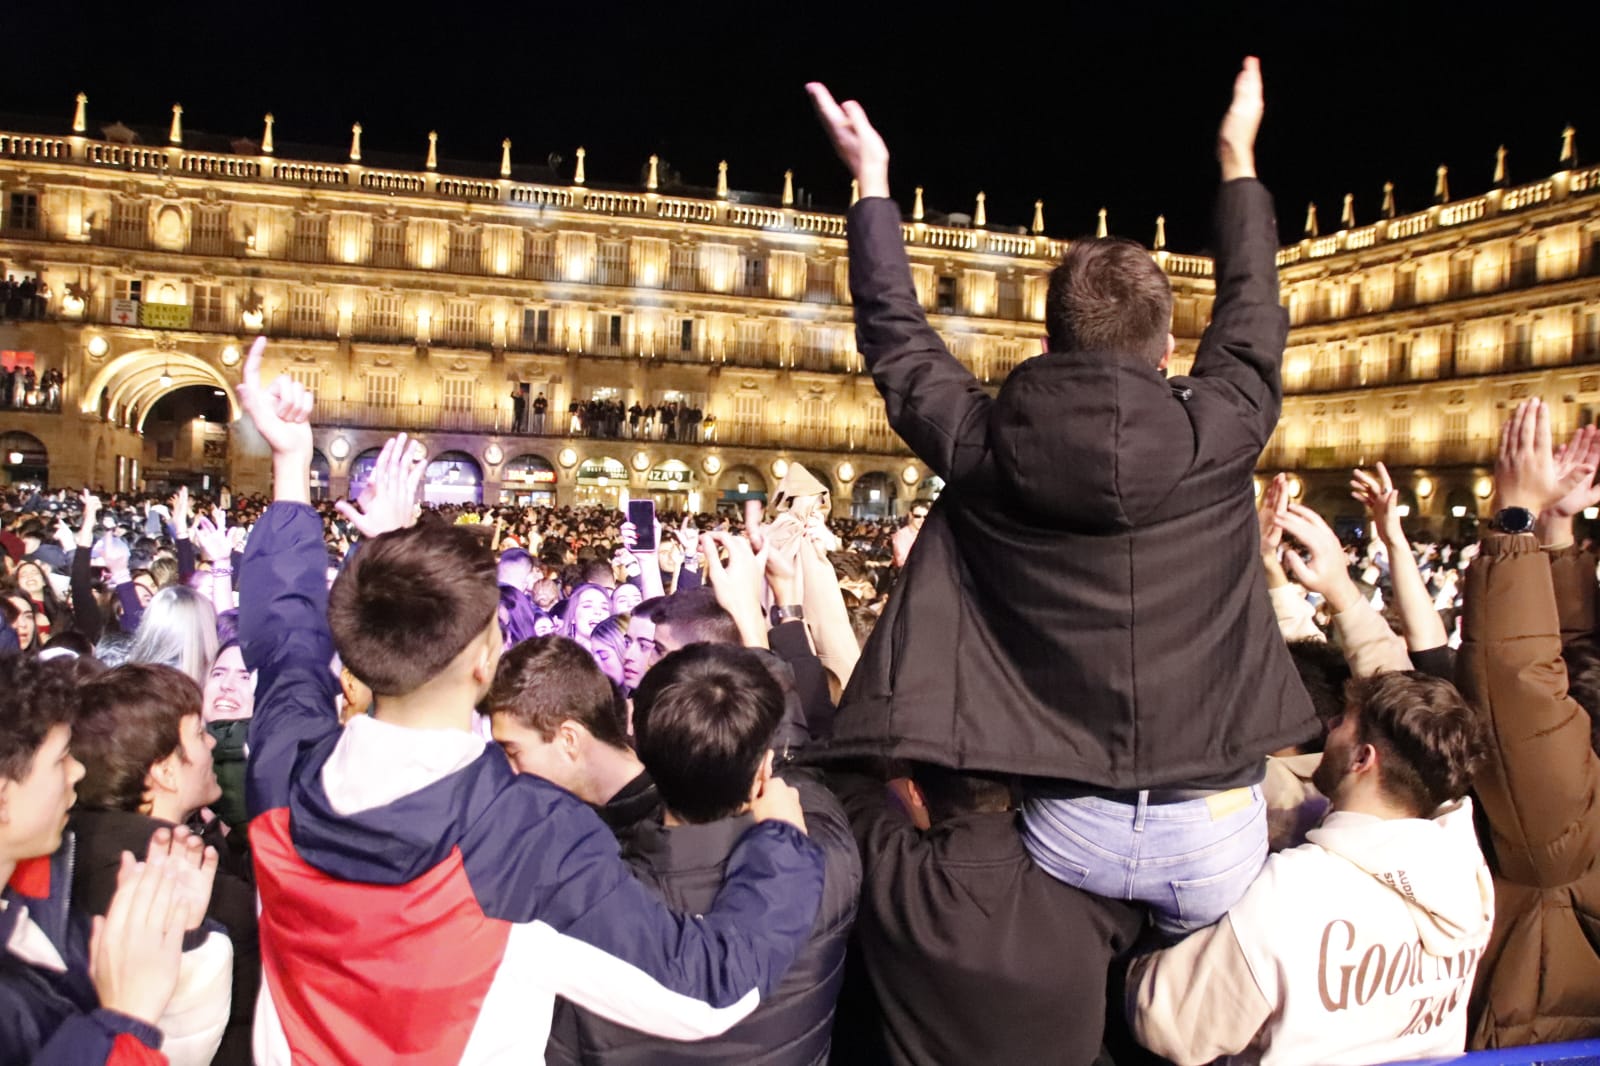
point(1084, 106)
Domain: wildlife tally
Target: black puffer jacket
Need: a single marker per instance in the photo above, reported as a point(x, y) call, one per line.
point(1085, 600)
point(687, 866)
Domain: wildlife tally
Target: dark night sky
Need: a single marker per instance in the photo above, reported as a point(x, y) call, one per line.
point(1085, 106)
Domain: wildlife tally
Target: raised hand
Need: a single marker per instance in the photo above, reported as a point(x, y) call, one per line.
point(181, 512)
point(737, 583)
point(1324, 569)
point(281, 411)
point(213, 537)
point(1236, 137)
point(1274, 504)
point(194, 866)
point(859, 145)
point(1525, 472)
point(778, 801)
point(1376, 492)
point(91, 514)
point(1583, 450)
point(392, 503)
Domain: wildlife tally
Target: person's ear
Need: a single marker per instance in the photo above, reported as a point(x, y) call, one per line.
point(162, 776)
point(572, 739)
point(763, 775)
point(1172, 344)
point(1364, 759)
point(911, 798)
point(1044, 345)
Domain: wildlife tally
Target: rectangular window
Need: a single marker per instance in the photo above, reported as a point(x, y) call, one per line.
point(683, 267)
point(686, 335)
point(1349, 438)
point(383, 316)
point(459, 393)
point(614, 331)
point(128, 289)
point(1455, 427)
point(383, 390)
point(129, 223)
point(749, 408)
point(878, 432)
point(307, 377)
point(305, 312)
point(752, 336)
point(311, 238)
point(464, 250)
point(22, 211)
point(536, 325)
point(755, 274)
point(1010, 305)
point(460, 322)
point(389, 244)
point(946, 304)
point(210, 233)
point(819, 281)
point(207, 301)
point(1399, 429)
point(613, 263)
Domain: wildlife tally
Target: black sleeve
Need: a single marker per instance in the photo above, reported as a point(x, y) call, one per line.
point(86, 615)
point(1437, 662)
point(790, 643)
point(934, 403)
point(185, 559)
point(1242, 349)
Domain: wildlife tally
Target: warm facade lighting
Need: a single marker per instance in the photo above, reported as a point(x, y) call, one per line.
point(97, 346)
point(339, 449)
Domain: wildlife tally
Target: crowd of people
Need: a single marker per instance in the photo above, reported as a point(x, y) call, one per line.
point(24, 299)
point(1099, 757)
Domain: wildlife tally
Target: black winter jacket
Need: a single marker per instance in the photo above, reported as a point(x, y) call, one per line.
point(686, 865)
point(1085, 600)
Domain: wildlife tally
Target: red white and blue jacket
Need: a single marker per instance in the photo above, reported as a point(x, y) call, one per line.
point(421, 903)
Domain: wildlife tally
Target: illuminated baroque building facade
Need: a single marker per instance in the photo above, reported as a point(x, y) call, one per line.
point(420, 298)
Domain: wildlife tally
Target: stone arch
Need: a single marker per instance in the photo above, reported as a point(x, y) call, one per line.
point(134, 380)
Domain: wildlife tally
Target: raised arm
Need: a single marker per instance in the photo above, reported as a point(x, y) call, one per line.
point(1539, 785)
point(933, 402)
point(283, 596)
point(1243, 346)
point(86, 613)
point(1423, 628)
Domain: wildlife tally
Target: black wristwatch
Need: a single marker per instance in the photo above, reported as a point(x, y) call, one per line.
point(787, 613)
point(1512, 520)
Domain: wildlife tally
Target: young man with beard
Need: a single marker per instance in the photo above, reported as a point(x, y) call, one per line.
point(1359, 946)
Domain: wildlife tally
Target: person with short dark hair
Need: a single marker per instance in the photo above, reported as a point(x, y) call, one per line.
point(1360, 945)
point(556, 715)
point(147, 759)
point(138, 996)
point(401, 846)
point(693, 617)
point(1090, 566)
point(710, 722)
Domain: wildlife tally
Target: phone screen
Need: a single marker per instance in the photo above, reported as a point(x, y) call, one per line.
point(642, 513)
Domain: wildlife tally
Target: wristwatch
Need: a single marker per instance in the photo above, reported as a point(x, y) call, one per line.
point(787, 613)
point(1512, 520)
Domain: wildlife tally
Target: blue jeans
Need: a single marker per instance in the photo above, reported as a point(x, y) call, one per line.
point(1188, 861)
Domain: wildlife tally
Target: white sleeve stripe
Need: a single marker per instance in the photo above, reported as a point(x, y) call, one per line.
point(616, 990)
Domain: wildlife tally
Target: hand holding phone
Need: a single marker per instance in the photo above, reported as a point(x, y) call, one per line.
point(642, 514)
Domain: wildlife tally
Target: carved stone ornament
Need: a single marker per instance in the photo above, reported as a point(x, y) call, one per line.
point(1319, 411)
point(1588, 383)
point(166, 343)
point(1519, 391)
point(1458, 396)
point(1348, 407)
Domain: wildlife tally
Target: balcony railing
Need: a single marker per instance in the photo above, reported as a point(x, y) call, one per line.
point(442, 418)
point(1472, 451)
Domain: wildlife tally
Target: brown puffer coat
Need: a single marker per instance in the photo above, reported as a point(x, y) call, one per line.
point(1539, 980)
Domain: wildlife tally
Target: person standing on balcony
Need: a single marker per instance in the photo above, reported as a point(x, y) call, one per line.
point(540, 406)
point(519, 409)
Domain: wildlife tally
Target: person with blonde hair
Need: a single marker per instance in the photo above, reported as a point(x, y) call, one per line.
point(179, 629)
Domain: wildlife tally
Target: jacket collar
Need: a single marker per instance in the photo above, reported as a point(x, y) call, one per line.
point(687, 847)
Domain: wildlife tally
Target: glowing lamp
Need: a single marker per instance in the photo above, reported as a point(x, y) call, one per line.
point(339, 449)
point(910, 475)
point(1458, 511)
point(846, 472)
point(230, 355)
point(1403, 510)
point(780, 467)
point(1484, 488)
point(1591, 512)
point(97, 346)
point(15, 458)
point(744, 486)
point(1424, 487)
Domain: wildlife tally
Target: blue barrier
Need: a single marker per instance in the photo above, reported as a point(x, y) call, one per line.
point(1576, 1053)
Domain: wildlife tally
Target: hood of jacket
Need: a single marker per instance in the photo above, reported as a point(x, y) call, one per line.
point(1094, 441)
point(1434, 864)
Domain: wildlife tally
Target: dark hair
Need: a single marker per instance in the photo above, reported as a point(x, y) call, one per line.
point(704, 718)
point(1428, 739)
point(597, 572)
point(129, 719)
point(1108, 295)
point(34, 698)
point(862, 622)
point(949, 793)
point(648, 609)
point(408, 602)
point(545, 681)
point(72, 641)
point(697, 617)
point(1324, 672)
point(1583, 681)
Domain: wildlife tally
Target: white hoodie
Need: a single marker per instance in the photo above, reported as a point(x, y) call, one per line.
point(1357, 947)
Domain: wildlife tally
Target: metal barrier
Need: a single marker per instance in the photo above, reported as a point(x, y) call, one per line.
point(1576, 1053)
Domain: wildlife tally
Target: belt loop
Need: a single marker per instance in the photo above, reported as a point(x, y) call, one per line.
point(1139, 811)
